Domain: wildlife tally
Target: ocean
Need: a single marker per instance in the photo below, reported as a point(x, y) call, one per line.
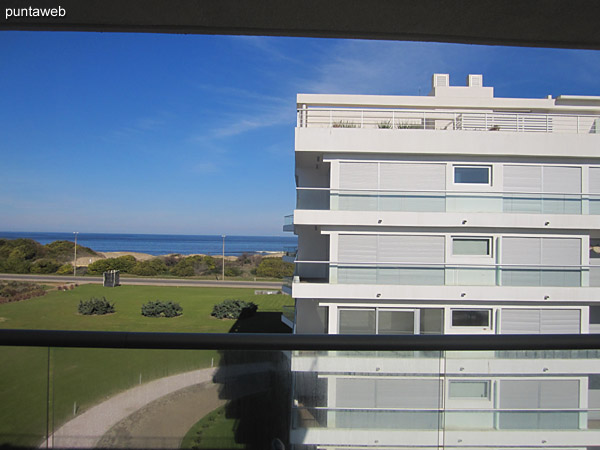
point(162, 244)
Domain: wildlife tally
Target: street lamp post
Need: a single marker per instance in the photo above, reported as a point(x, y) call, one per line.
point(223, 275)
point(75, 254)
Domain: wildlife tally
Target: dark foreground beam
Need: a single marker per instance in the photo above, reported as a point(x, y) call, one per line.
point(252, 341)
point(541, 23)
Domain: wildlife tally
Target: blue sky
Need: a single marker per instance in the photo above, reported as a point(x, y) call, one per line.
point(144, 133)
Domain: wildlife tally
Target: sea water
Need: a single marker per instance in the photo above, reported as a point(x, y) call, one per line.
point(162, 244)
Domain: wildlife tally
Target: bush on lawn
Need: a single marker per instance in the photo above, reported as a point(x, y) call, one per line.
point(161, 309)
point(234, 309)
point(95, 306)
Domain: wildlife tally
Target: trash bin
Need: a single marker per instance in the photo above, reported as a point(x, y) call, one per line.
point(111, 278)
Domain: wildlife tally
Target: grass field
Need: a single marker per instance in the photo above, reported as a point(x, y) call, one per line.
point(80, 378)
point(213, 431)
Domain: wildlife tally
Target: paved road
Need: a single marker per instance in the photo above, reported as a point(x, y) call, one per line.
point(143, 281)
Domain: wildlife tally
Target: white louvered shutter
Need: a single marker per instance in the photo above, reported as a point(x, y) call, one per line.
point(358, 175)
point(357, 248)
point(522, 178)
point(521, 250)
point(401, 176)
point(418, 249)
point(520, 321)
point(594, 181)
point(564, 180)
point(560, 321)
point(561, 251)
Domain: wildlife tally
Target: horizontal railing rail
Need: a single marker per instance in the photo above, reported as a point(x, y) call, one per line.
point(447, 120)
point(280, 341)
point(441, 191)
point(449, 265)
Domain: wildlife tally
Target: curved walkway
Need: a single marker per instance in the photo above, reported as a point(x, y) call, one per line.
point(86, 430)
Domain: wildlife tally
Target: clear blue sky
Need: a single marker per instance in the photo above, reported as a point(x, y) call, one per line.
point(143, 133)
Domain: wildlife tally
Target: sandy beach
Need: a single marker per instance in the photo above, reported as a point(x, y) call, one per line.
point(84, 261)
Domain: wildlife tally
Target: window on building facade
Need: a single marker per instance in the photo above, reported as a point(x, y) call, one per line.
point(471, 246)
point(471, 317)
point(472, 175)
point(469, 389)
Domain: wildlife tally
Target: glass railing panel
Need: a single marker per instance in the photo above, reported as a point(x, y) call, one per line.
point(312, 199)
point(430, 276)
point(471, 276)
point(470, 202)
point(594, 204)
point(535, 276)
point(23, 396)
point(413, 202)
point(594, 272)
point(410, 201)
point(455, 275)
point(125, 398)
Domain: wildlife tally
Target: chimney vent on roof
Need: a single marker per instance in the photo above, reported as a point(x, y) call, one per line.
point(440, 80)
point(475, 81)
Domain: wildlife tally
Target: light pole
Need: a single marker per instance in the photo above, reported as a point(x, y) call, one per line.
point(223, 236)
point(75, 254)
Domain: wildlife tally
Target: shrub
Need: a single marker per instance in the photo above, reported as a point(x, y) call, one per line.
point(161, 309)
point(44, 265)
point(233, 271)
point(13, 291)
point(95, 306)
point(274, 268)
point(65, 269)
point(63, 250)
point(194, 265)
point(123, 263)
point(234, 309)
point(151, 267)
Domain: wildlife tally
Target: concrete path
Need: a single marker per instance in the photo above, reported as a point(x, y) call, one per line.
point(164, 422)
point(86, 430)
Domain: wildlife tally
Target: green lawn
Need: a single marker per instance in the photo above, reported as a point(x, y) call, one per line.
point(213, 431)
point(80, 378)
point(57, 310)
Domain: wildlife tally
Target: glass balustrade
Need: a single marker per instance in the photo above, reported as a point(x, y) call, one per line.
point(445, 201)
point(58, 397)
point(458, 275)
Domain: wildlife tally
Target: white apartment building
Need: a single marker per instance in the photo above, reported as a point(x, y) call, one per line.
point(452, 213)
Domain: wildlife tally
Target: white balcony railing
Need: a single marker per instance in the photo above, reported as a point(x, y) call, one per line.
point(447, 201)
point(450, 274)
point(448, 120)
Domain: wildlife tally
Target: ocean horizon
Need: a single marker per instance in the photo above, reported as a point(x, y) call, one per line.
point(163, 244)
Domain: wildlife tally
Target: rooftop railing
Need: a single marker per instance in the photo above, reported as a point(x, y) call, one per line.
point(447, 120)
